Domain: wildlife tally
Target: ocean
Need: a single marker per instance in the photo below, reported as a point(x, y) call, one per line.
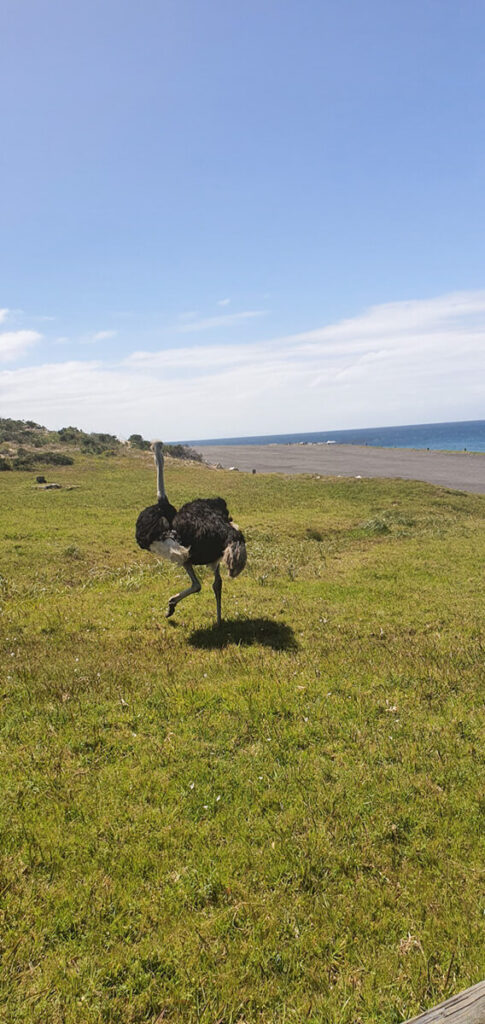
point(468, 435)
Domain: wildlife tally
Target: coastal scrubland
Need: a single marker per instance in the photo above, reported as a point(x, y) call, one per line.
point(25, 444)
point(278, 821)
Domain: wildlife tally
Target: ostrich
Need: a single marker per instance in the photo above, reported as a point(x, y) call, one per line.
point(200, 533)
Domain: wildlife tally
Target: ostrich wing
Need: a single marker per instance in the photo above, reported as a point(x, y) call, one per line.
point(205, 528)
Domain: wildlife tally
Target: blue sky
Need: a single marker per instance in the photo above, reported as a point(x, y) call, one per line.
point(209, 210)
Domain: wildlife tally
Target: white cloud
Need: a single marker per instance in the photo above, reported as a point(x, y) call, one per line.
point(203, 360)
point(14, 343)
point(224, 302)
point(102, 335)
point(400, 362)
point(3, 314)
point(225, 320)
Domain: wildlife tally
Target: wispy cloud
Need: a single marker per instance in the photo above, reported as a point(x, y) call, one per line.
point(399, 362)
point(224, 302)
point(14, 344)
point(102, 335)
point(190, 361)
point(224, 320)
point(190, 314)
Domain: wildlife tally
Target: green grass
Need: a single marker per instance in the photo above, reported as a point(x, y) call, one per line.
point(280, 821)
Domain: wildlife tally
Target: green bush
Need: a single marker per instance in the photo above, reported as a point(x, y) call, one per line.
point(17, 430)
point(137, 441)
point(53, 458)
point(93, 443)
point(29, 460)
point(181, 451)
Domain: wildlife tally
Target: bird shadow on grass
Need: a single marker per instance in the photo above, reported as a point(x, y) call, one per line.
point(245, 633)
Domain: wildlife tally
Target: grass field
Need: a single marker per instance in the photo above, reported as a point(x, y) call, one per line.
point(278, 821)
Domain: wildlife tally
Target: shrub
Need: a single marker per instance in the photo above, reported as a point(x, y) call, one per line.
point(53, 458)
point(23, 462)
point(181, 451)
point(137, 441)
point(29, 460)
point(17, 430)
point(69, 435)
point(92, 444)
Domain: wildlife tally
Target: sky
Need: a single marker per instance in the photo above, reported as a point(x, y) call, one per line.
point(223, 219)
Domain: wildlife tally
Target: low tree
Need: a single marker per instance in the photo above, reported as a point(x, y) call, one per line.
point(137, 441)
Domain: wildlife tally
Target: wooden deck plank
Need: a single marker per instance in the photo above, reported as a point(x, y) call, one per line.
point(467, 1007)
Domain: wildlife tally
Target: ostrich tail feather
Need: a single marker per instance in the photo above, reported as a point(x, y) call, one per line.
point(234, 557)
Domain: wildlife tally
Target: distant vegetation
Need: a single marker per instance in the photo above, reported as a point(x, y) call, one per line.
point(137, 441)
point(177, 451)
point(29, 460)
point(21, 439)
point(92, 444)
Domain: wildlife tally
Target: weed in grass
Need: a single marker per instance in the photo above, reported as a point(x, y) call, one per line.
point(73, 552)
point(312, 534)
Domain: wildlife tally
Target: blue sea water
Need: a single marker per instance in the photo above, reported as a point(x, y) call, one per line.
point(465, 436)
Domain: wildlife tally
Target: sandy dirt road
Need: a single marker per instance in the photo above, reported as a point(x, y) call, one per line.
point(459, 471)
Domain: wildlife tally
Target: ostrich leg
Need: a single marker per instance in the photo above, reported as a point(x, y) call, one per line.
point(217, 588)
point(194, 589)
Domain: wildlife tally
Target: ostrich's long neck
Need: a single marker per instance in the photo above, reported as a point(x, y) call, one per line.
point(161, 493)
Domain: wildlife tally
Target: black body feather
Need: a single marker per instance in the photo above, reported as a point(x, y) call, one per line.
point(205, 527)
point(154, 523)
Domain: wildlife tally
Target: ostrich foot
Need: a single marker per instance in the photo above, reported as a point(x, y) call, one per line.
point(194, 589)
